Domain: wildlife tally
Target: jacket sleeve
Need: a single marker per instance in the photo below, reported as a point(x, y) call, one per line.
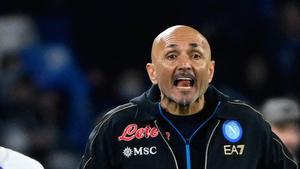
point(97, 155)
point(276, 155)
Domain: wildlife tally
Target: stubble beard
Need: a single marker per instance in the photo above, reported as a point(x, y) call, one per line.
point(184, 105)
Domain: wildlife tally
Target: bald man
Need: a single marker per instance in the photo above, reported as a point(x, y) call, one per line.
point(182, 121)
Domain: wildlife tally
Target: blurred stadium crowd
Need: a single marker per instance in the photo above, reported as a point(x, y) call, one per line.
point(63, 64)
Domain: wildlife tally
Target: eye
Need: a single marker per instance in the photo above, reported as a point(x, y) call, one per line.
point(171, 56)
point(196, 55)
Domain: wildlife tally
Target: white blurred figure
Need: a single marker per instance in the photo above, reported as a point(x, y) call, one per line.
point(16, 32)
point(284, 115)
point(10, 159)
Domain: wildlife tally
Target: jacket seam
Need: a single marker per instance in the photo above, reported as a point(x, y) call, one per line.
point(284, 152)
point(208, 143)
point(246, 105)
point(160, 133)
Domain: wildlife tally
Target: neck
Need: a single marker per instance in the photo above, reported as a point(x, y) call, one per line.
point(182, 109)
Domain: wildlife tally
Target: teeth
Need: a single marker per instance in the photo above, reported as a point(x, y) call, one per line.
point(184, 84)
point(184, 78)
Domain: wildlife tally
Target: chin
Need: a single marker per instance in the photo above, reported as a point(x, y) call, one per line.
point(184, 101)
point(181, 98)
point(182, 104)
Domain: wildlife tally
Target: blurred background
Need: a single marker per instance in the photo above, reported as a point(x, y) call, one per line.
point(64, 63)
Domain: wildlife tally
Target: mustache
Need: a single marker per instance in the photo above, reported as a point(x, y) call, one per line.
point(184, 75)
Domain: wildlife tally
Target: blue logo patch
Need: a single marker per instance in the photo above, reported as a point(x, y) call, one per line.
point(232, 131)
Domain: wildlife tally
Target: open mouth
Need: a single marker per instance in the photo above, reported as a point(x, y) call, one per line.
point(184, 82)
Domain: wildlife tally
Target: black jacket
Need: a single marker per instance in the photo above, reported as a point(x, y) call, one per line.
point(137, 136)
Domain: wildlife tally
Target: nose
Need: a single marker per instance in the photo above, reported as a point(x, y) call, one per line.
point(184, 65)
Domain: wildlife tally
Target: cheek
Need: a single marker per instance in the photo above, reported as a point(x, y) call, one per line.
point(164, 77)
point(203, 74)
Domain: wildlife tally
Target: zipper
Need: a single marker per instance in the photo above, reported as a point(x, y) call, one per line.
point(188, 154)
point(160, 133)
point(207, 146)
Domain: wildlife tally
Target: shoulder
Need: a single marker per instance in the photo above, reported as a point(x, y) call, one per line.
point(116, 115)
point(242, 104)
point(243, 107)
point(246, 112)
point(250, 118)
point(232, 108)
point(121, 112)
point(14, 160)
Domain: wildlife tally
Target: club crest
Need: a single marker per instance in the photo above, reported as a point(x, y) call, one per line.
point(232, 131)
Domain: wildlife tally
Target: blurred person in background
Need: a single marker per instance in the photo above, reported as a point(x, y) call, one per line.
point(29, 116)
point(43, 94)
point(284, 116)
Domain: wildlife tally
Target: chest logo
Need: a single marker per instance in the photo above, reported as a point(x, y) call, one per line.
point(234, 149)
point(132, 131)
point(139, 151)
point(232, 131)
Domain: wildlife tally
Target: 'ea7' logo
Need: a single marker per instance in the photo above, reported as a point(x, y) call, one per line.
point(234, 149)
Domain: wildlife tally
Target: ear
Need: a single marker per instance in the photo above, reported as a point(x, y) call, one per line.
point(151, 72)
point(211, 71)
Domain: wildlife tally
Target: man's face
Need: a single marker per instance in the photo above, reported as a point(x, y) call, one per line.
point(181, 65)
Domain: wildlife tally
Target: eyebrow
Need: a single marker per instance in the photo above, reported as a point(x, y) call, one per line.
point(172, 46)
point(193, 45)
